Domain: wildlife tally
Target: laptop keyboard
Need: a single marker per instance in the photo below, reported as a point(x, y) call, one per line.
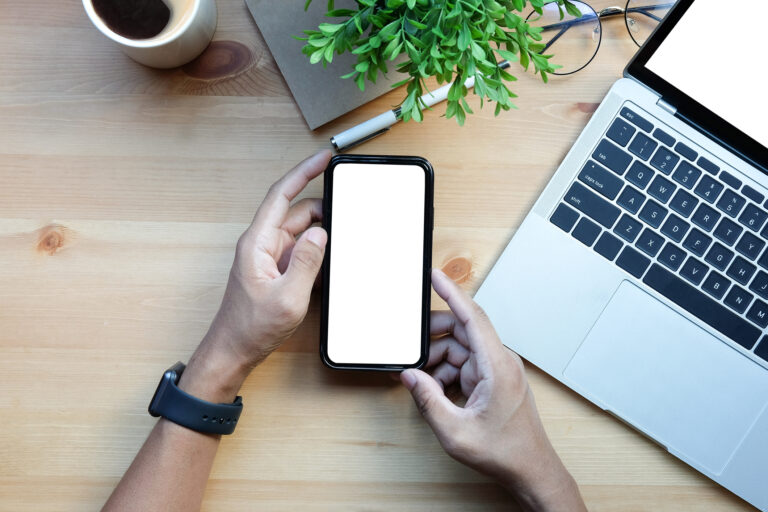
point(666, 214)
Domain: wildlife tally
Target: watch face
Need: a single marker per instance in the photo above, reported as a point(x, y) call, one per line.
point(168, 378)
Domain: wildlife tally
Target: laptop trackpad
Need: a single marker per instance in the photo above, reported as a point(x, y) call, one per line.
point(669, 378)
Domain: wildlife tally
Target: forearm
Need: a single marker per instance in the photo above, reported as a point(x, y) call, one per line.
point(171, 469)
point(557, 492)
point(546, 485)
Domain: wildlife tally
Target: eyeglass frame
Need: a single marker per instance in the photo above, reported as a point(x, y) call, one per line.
point(603, 13)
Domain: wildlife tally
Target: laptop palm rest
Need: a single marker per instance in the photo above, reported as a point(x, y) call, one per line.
point(637, 347)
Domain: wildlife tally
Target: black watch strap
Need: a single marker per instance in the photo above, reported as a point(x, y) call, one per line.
point(180, 407)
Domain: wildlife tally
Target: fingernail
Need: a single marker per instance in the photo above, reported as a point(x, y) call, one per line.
point(409, 379)
point(316, 237)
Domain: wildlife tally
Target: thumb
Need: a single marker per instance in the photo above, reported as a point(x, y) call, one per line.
point(305, 262)
point(436, 408)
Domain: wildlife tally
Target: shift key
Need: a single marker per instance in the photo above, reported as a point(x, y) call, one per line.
point(599, 179)
point(592, 205)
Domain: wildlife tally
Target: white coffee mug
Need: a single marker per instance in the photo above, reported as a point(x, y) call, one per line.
point(188, 32)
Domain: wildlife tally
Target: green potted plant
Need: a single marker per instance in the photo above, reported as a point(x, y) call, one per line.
point(451, 40)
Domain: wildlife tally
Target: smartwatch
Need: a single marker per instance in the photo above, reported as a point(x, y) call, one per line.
point(175, 405)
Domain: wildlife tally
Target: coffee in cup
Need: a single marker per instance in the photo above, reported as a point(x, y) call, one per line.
point(158, 33)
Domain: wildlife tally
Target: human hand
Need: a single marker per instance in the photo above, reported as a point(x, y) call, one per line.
point(498, 431)
point(268, 290)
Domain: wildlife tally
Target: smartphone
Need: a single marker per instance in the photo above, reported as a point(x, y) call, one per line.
point(377, 211)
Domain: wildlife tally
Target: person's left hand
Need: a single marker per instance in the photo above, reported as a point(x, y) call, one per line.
point(269, 287)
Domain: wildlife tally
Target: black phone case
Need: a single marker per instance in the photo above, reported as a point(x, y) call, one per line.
point(426, 284)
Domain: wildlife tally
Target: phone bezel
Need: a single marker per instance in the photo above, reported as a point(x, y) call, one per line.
point(427, 259)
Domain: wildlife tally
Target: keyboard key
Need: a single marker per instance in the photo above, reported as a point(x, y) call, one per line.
point(620, 132)
point(653, 213)
point(731, 203)
point(608, 246)
point(683, 203)
point(752, 194)
point(564, 217)
point(764, 232)
point(675, 228)
point(664, 137)
point(592, 205)
point(753, 217)
point(639, 175)
point(762, 349)
point(708, 166)
point(664, 160)
point(715, 285)
point(627, 228)
point(686, 175)
point(759, 284)
point(642, 146)
point(728, 231)
point(611, 156)
point(630, 199)
point(738, 299)
point(694, 270)
point(600, 180)
point(758, 313)
point(702, 307)
point(750, 246)
point(633, 262)
point(730, 180)
point(650, 243)
point(697, 242)
point(741, 270)
point(671, 256)
point(586, 232)
point(719, 257)
point(632, 117)
point(661, 188)
point(705, 217)
point(686, 151)
point(708, 189)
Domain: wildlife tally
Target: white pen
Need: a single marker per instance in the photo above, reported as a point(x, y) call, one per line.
point(376, 126)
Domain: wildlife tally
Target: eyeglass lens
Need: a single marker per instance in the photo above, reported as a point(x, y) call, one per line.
point(643, 16)
point(573, 40)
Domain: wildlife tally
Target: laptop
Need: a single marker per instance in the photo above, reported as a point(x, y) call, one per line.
point(640, 277)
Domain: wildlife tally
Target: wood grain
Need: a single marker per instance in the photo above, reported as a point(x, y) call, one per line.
point(122, 192)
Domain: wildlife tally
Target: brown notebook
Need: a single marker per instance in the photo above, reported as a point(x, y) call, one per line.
point(321, 94)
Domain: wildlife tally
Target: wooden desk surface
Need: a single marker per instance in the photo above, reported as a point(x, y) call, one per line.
point(122, 193)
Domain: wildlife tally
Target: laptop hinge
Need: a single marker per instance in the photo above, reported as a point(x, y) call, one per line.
point(666, 106)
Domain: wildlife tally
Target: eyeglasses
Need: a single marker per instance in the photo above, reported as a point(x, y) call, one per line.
point(575, 40)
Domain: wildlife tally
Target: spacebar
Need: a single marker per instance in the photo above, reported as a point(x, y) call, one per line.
point(702, 307)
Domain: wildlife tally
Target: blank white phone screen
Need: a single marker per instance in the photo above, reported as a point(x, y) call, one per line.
point(376, 264)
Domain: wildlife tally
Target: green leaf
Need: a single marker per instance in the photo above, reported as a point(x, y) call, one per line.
point(318, 42)
point(507, 55)
point(328, 53)
point(573, 10)
point(464, 37)
point(329, 28)
point(315, 57)
point(477, 52)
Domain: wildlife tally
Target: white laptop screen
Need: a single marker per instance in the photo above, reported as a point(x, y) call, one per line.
point(714, 55)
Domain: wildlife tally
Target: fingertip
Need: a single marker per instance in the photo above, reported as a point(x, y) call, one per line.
point(409, 378)
point(317, 236)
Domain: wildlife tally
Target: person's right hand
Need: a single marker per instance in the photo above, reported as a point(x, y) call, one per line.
point(498, 431)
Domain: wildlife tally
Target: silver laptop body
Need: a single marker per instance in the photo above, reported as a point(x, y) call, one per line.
point(588, 290)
